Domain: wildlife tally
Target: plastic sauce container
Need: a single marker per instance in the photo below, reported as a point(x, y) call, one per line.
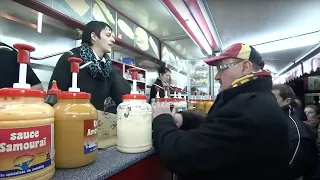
point(134, 124)
point(207, 106)
point(27, 135)
point(75, 130)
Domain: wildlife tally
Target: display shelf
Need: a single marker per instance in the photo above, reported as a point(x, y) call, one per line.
point(124, 69)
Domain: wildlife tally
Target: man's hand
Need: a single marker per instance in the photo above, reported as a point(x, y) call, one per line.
point(161, 108)
point(164, 108)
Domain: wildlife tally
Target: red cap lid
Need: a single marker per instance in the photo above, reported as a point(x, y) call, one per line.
point(134, 73)
point(134, 96)
point(23, 53)
point(166, 88)
point(162, 99)
point(73, 95)
point(16, 92)
point(75, 64)
point(54, 88)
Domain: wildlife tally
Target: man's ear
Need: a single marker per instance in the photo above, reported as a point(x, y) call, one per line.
point(287, 101)
point(247, 67)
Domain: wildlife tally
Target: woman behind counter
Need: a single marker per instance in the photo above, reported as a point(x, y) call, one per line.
point(164, 79)
point(98, 78)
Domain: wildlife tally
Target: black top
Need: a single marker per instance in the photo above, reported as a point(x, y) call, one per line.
point(243, 137)
point(303, 149)
point(114, 87)
point(9, 69)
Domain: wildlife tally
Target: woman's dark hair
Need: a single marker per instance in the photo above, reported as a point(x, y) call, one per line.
point(163, 70)
point(93, 26)
point(285, 92)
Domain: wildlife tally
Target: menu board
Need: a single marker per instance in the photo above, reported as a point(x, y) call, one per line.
point(46, 2)
point(76, 9)
point(313, 83)
point(172, 58)
point(146, 42)
point(104, 13)
point(125, 29)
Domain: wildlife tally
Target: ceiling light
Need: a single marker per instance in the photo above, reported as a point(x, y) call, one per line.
point(198, 38)
point(39, 25)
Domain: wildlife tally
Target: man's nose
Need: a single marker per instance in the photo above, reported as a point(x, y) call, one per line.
point(113, 40)
point(217, 76)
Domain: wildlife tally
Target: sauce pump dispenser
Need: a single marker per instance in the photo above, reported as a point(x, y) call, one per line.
point(25, 120)
point(134, 120)
point(75, 125)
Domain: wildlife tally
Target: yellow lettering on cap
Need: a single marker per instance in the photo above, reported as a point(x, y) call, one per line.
point(244, 52)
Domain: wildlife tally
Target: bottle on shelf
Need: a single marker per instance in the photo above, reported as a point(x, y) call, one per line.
point(192, 101)
point(75, 125)
point(134, 119)
point(26, 120)
point(208, 103)
point(200, 103)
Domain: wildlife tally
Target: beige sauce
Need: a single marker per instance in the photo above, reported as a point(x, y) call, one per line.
point(26, 146)
point(75, 133)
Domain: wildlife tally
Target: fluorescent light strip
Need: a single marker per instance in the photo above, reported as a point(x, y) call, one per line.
point(211, 25)
point(39, 26)
point(185, 14)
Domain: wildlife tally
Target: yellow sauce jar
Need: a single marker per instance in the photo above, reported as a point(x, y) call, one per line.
point(207, 106)
point(75, 130)
point(200, 105)
point(27, 135)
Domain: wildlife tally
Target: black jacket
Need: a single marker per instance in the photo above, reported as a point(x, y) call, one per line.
point(302, 143)
point(114, 87)
point(9, 68)
point(243, 137)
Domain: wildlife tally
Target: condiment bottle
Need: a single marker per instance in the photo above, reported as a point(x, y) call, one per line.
point(167, 98)
point(200, 103)
point(52, 94)
point(26, 128)
point(182, 102)
point(153, 100)
point(208, 103)
point(192, 101)
point(75, 126)
point(134, 120)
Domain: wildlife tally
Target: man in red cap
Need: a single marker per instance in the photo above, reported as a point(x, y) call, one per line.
point(243, 137)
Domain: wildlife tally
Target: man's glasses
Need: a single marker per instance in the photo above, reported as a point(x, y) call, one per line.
point(226, 66)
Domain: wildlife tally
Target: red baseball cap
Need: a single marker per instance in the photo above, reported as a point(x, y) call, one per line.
point(238, 51)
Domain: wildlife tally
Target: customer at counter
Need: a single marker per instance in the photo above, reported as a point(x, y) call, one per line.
point(302, 142)
point(245, 134)
point(99, 77)
point(164, 79)
point(9, 69)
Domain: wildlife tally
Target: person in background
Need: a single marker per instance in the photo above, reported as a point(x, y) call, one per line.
point(312, 112)
point(98, 78)
point(299, 111)
point(244, 136)
point(9, 69)
point(164, 79)
point(316, 100)
point(302, 142)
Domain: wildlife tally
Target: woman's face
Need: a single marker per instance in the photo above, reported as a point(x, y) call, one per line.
point(310, 112)
point(105, 41)
point(166, 76)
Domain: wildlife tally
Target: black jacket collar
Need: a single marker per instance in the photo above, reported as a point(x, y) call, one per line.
point(288, 110)
point(262, 84)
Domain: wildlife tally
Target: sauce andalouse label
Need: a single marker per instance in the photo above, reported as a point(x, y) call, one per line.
point(90, 136)
point(25, 150)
